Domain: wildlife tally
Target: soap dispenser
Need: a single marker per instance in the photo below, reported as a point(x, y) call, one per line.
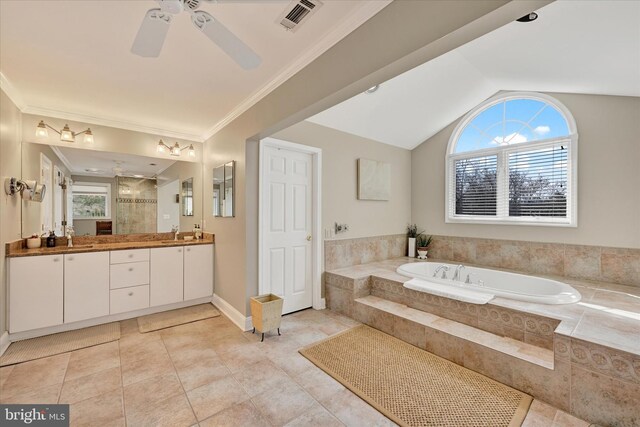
point(51, 240)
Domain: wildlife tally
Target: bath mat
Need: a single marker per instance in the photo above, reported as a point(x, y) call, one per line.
point(167, 319)
point(413, 387)
point(50, 345)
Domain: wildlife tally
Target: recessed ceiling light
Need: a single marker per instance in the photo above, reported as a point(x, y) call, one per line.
point(153, 164)
point(529, 17)
point(93, 170)
point(372, 89)
point(138, 176)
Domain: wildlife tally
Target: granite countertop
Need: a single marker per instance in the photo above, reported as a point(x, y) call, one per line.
point(102, 243)
point(608, 314)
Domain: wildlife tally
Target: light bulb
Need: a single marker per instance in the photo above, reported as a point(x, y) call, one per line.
point(175, 150)
point(192, 151)
point(161, 147)
point(66, 134)
point(88, 136)
point(41, 130)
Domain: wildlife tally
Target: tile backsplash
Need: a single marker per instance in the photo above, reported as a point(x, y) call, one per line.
point(615, 265)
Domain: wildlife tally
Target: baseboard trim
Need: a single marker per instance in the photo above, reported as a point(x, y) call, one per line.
point(4, 342)
point(232, 313)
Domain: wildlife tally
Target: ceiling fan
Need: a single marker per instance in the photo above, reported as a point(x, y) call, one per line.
point(155, 25)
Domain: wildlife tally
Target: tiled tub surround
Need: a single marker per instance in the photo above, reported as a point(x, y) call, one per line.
point(19, 248)
point(347, 252)
point(614, 265)
point(592, 370)
point(599, 263)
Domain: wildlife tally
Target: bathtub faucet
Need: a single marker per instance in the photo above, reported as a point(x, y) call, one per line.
point(456, 274)
point(444, 269)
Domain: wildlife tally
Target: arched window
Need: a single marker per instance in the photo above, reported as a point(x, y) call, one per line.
point(513, 160)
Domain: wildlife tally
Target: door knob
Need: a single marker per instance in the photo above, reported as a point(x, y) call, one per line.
point(309, 237)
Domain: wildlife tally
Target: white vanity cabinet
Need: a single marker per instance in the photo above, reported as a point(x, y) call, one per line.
point(198, 271)
point(54, 293)
point(35, 292)
point(86, 286)
point(166, 275)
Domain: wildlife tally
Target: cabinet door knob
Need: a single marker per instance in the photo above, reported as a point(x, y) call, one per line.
point(56, 259)
point(130, 268)
point(130, 293)
point(130, 255)
point(180, 250)
point(188, 249)
point(70, 258)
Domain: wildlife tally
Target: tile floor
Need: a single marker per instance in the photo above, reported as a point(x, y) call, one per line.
point(207, 373)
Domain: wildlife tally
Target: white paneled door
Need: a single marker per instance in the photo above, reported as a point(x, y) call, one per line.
point(287, 226)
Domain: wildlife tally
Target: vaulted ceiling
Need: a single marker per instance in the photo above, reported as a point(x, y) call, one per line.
point(589, 47)
point(72, 60)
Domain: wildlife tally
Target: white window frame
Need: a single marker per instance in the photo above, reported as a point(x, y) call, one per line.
point(107, 207)
point(502, 153)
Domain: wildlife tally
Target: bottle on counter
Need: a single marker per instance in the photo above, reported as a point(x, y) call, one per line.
point(51, 240)
point(197, 232)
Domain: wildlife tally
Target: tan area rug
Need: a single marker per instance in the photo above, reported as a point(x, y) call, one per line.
point(49, 345)
point(167, 319)
point(413, 387)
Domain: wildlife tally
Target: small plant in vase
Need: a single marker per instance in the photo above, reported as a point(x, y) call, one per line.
point(412, 234)
point(423, 246)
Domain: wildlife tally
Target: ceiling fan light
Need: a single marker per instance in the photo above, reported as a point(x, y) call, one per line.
point(66, 134)
point(192, 151)
point(88, 136)
point(41, 130)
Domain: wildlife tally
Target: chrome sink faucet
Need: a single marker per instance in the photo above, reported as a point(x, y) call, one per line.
point(175, 232)
point(444, 269)
point(456, 274)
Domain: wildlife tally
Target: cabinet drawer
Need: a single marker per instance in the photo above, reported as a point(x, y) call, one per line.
point(133, 255)
point(129, 274)
point(129, 299)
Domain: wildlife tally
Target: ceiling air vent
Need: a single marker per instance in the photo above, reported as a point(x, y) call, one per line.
point(297, 12)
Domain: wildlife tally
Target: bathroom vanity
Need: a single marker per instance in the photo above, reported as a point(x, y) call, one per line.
point(57, 289)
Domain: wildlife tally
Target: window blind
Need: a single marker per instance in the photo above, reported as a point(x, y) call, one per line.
point(538, 182)
point(476, 186)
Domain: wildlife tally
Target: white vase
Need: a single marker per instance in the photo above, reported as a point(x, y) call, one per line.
point(412, 247)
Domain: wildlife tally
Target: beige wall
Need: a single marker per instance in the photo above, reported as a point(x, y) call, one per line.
point(182, 171)
point(365, 57)
point(31, 170)
point(608, 179)
point(83, 227)
point(340, 152)
point(10, 136)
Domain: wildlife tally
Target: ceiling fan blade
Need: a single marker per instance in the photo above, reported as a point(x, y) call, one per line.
point(152, 32)
point(226, 40)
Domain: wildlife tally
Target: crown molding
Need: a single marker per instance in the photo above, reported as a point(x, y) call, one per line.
point(63, 159)
point(11, 92)
point(357, 18)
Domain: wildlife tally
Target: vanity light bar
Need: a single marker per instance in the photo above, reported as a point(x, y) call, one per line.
point(66, 134)
point(175, 150)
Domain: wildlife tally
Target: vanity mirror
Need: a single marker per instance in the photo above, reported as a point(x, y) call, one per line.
point(223, 190)
point(100, 192)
